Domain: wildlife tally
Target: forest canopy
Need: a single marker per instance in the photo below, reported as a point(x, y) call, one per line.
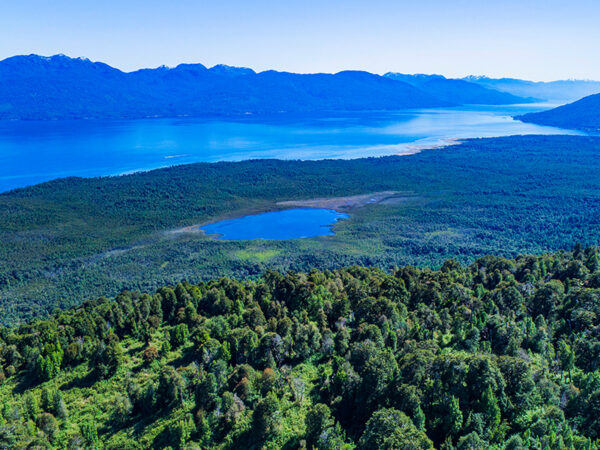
point(71, 239)
point(502, 353)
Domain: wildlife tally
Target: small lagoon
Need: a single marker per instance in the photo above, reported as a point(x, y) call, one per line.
point(277, 225)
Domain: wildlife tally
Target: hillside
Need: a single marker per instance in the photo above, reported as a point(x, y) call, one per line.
point(59, 87)
point(502, 354)
point(72, 239)
point(458, 91)
point(583, 114)
point(561, 91)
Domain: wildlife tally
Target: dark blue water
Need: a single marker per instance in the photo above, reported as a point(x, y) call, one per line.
point(288, 224)
point(32, 152)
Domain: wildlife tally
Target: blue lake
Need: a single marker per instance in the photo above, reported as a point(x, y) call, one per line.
point(287, 224)
point(36, 151)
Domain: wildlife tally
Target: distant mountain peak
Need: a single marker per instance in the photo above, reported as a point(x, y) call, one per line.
point(34, 65)
point(395, 75)
point(59, 57)
point(559, 91)
point(62, 56)
point(190, 67)
point(457, 90)
point(476, 77)
point(223, 69)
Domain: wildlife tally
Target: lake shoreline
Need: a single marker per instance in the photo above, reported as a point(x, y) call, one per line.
point(100, 148)
point(339, 204)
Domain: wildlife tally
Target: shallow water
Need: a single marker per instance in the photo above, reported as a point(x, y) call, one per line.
point(32, 151)
point(287, 224)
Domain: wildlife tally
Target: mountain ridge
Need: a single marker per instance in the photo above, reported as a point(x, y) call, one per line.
point(558, 91)
point(457, 90)
point(34, 87)
point(60, 87)
point(584, 114)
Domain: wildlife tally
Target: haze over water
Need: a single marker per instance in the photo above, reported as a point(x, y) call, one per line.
point(32, 152)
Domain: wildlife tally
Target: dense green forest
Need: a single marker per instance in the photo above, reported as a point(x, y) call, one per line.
point(499, 354)
point(71, 239)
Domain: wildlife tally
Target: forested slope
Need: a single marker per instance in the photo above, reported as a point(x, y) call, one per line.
point(499, 354)
point(584, 114)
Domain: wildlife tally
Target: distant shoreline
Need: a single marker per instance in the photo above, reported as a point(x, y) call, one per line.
point(447, 142)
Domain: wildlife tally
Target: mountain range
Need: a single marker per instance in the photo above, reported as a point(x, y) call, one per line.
point(59, 87)
point(458, 91)
point(561, 91)
point(583, 114)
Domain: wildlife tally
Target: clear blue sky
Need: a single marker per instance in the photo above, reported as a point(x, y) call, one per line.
point(534, 39)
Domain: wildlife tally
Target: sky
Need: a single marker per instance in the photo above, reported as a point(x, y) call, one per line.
point(530, 39)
